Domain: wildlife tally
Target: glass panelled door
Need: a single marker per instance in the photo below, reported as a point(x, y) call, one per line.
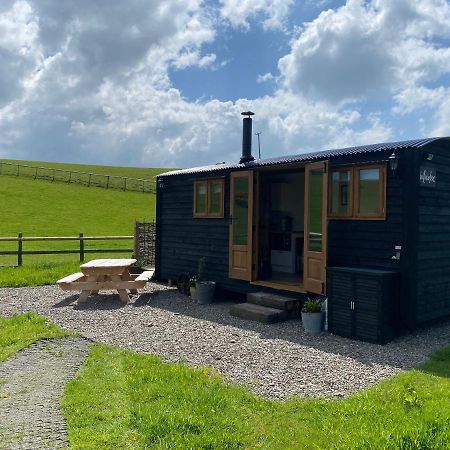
point(315, 245)
point(241, 214)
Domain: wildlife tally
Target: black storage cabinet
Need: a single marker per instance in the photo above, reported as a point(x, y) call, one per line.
point(363, 303)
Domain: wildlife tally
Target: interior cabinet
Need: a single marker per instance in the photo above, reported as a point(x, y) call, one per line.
point(363, 303)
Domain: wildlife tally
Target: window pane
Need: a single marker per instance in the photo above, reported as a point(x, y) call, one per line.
point(200, 198)
point(215, 197)
point(340, 191)
point(240, 205)
point(315, 210)
point(369, 191)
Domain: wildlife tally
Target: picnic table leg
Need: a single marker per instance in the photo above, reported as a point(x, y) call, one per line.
point(123, 293)
point(85, 294)
point(99, 278)
point(127, 277)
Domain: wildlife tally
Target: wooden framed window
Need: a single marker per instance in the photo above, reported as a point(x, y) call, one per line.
point(358, 192)
point(341, 193)
point(209, 198)
point(370, 188)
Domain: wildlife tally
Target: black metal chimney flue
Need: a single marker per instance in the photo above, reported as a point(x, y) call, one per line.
point(247, 138)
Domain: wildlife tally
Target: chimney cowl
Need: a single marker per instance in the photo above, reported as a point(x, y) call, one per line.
point(247, 137)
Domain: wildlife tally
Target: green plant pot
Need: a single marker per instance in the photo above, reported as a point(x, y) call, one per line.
point(193, 292)
point(312, 322)
point(205, 291)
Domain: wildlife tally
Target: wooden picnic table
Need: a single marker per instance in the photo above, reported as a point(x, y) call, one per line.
point(111, 274)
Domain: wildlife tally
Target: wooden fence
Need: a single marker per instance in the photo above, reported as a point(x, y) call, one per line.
point(74, 176)
point(81, 250)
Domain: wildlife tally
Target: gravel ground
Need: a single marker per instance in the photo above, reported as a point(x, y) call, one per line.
point(276, 361)
point(31, 386)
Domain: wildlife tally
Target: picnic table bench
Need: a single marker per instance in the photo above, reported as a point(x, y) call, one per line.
point(110, 274)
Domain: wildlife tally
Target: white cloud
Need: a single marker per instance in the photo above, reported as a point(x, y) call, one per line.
point(81, 90)
point(414, 98)
point(273, 12)
point(264, 78)
point(66, 55)
point(190, 59)
point(297, 124)
point(363, 48)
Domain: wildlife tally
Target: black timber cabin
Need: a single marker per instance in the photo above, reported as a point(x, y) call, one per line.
point(366, 226)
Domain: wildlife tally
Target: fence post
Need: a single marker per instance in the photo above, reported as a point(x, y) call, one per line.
point(19, 249)
point(81, 247)
point(90, 176)
point(18, 170)
point(107, 181)
point(1, 167)
point(124, 183)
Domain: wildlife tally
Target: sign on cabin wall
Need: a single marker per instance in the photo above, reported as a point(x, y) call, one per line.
point(427, 176)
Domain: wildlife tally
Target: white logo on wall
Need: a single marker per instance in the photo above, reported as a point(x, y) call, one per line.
point(428, 176)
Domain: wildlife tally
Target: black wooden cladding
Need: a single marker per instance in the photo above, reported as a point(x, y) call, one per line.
point(369, 243)
point(433, 239)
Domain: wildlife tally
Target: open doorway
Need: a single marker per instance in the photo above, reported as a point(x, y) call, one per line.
point(281, 228)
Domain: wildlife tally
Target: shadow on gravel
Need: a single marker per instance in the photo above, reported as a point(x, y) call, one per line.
point(94, 302)
point(413, 346)
point(66, 301)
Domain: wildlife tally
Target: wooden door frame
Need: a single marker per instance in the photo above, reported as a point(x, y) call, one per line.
point(308, 168)
point(257, 236)
point(249, 246)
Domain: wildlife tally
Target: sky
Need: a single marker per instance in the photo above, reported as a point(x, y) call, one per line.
point(162, 83)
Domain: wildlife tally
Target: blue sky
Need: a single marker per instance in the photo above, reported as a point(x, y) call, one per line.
point(161, 83)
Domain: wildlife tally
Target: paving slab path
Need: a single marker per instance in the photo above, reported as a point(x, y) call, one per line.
point(31, 386)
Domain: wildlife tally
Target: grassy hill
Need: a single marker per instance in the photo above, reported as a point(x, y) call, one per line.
point(43, 208)
point(131, 172)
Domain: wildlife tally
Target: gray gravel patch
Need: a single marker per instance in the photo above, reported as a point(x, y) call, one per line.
point(276, 361)
point(31, 386)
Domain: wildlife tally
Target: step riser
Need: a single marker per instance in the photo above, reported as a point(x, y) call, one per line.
point(272, 301)
point(258, 317)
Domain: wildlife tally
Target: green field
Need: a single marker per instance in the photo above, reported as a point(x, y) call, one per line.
point(131, 172)
point(126, 400)
point(21, 330)
point(43, 208)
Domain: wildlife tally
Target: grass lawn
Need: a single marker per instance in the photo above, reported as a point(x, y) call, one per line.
point(131, 172)
point(42, 208)
point(20, 331)
point(126, 400)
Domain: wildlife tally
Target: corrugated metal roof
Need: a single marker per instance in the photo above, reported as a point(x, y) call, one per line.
point(312, 156)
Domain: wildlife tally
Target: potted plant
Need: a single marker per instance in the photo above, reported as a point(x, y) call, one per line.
point(193, 287)
point(312, 315)
point(205, 288)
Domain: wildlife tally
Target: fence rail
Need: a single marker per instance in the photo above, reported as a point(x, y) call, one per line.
point(79, 177)
point(81, 250)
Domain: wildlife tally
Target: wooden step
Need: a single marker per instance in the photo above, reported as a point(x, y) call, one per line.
point(274, 301)
point(264, 314)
